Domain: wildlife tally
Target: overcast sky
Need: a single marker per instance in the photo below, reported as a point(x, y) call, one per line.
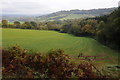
point(49, 6)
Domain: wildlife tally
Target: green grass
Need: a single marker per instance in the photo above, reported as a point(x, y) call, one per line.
point(76, 16)
point(67, 16)
point(43, 41)
point(13, 22)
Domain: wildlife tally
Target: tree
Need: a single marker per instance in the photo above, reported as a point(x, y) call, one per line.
point(4, 23)
point(109, 32)
point(66, 27)
point(17, 24)
point(52, 26)
point(26, 25)
point(75, 29)
point(100, 32)
point(88, 29)
point(33, 24)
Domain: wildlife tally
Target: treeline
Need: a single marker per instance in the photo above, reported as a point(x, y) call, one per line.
point(108, 31)
point(80, 27)
point(105, 29)
point(18, 64)
point(32, 25)
point(75, 27)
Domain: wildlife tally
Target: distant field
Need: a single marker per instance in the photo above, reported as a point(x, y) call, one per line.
point(43, 41)
point(13, 22)
point(66, 17)
point(76, 16)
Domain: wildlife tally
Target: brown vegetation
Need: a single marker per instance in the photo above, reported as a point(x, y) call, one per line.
point(18, 63)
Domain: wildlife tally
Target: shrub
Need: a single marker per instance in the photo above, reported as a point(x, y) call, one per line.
point(17, 63)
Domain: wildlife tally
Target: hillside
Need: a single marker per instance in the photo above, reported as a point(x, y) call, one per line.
point(110, 30)
point(44, 41)
point(13, 17)
point(75, 14)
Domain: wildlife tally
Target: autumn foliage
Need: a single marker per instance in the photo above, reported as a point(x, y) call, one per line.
point(19, 63)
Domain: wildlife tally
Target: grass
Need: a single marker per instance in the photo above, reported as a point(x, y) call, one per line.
point(43, 41)
point(67, 16)
point(76, 16)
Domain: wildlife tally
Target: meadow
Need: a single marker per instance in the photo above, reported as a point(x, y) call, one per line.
point(45, 40)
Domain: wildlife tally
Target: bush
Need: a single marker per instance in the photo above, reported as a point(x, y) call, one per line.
point(17, 63)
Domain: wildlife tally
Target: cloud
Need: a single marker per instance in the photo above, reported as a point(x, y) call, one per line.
point(48, 6)
point(24, 8)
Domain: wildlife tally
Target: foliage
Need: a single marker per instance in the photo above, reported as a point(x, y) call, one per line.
point(17, 24)
point(75, 14)
point(17, 63)
point(105, 28)
point(108, 31)
point(4, 23)
point(80, 27)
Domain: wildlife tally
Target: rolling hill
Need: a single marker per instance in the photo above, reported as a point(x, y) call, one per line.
point(75, 14)
point(60, 15)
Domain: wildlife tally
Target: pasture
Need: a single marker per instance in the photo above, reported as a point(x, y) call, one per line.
point(43, 41)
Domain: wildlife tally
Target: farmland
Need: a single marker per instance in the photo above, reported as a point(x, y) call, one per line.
point(45, 40)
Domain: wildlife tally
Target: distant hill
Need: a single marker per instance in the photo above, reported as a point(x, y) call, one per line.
point(75, 14)
point(16, 17)
point(60, 15)
point(19, 17)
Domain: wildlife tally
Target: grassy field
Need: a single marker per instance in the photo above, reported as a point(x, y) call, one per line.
point(66, 17)
point(43, 41)
point(76, 16)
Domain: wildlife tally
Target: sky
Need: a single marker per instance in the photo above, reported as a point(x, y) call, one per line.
point(48, 6)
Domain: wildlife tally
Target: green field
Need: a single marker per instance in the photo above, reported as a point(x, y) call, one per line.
point(76, 16)
point(66, 17)
point(43, 41)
